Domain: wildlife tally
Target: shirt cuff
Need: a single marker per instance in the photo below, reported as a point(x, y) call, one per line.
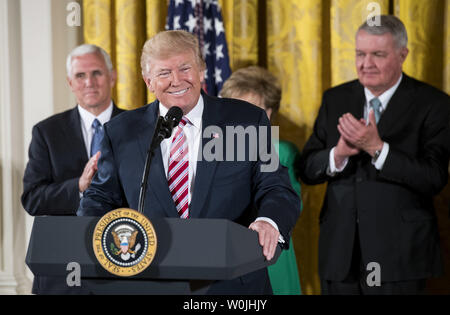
point(379, 163)
point(271, 222)
point(332, 169)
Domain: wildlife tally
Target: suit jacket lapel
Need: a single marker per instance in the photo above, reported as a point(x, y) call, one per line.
point(75, 135)
point(358, 101)
point(157, 180)
point(397, 106)
point(116, 110)
point(205, 169)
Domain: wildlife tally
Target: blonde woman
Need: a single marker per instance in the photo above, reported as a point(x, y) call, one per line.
point(258, 86)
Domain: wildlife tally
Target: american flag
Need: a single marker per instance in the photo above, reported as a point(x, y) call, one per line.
point(204, 18)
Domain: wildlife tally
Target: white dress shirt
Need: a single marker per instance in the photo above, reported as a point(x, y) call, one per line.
point(87, 118)
point(384, 99)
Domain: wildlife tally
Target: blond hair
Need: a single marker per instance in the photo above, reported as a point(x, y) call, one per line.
point(257, 81)
point(167, 44)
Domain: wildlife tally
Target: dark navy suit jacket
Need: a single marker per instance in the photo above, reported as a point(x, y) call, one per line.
point(234, 190)
point(57, 157)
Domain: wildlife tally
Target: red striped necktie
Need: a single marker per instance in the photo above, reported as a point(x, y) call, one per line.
point(178, 177)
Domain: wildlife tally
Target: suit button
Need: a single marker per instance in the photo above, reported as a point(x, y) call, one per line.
point(359, 179)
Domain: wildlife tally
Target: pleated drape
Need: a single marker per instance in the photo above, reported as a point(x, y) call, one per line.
point(308, 44)
point(425, 22)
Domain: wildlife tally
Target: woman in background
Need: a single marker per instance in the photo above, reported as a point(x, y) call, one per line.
point(258, 86)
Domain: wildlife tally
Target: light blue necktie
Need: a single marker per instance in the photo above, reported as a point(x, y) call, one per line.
point(97, 137)
point(376, 106)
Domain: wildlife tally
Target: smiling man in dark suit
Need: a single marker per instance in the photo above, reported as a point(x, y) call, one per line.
point(64, 149)
point(381, 143)
point(182, 182)
point(61, 164)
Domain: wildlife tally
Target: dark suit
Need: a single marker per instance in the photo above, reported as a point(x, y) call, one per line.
point(389, 212)
point(57, 157)
point(230, 189)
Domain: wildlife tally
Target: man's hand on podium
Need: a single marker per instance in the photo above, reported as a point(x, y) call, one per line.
point(268, 237)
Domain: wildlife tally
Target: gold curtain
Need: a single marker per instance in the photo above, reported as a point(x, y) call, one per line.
point(307, 44)
point(121, 27)
point(425, 22)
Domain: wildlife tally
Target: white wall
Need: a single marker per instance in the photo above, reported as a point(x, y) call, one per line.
point(34, 42)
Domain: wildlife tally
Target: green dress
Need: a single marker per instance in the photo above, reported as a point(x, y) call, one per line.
point(284, 273)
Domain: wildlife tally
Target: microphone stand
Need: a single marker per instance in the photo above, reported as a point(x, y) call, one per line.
point(159, 135)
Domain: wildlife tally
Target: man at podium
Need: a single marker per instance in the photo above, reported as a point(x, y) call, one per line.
point(184, 181)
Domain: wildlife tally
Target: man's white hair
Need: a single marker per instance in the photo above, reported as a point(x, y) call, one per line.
point(87, 49)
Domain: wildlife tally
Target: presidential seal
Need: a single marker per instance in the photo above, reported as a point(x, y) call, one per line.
point(124, 242)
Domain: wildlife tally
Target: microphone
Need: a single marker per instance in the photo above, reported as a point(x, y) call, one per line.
point(171, 120)
point(163, 130)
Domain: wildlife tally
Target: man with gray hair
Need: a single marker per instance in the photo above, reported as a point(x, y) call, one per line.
point(64, 149)
point(381, 143)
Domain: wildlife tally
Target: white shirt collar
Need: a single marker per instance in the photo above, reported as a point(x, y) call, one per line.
point(87, 117)
point(194, 116)
point(386, 96)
